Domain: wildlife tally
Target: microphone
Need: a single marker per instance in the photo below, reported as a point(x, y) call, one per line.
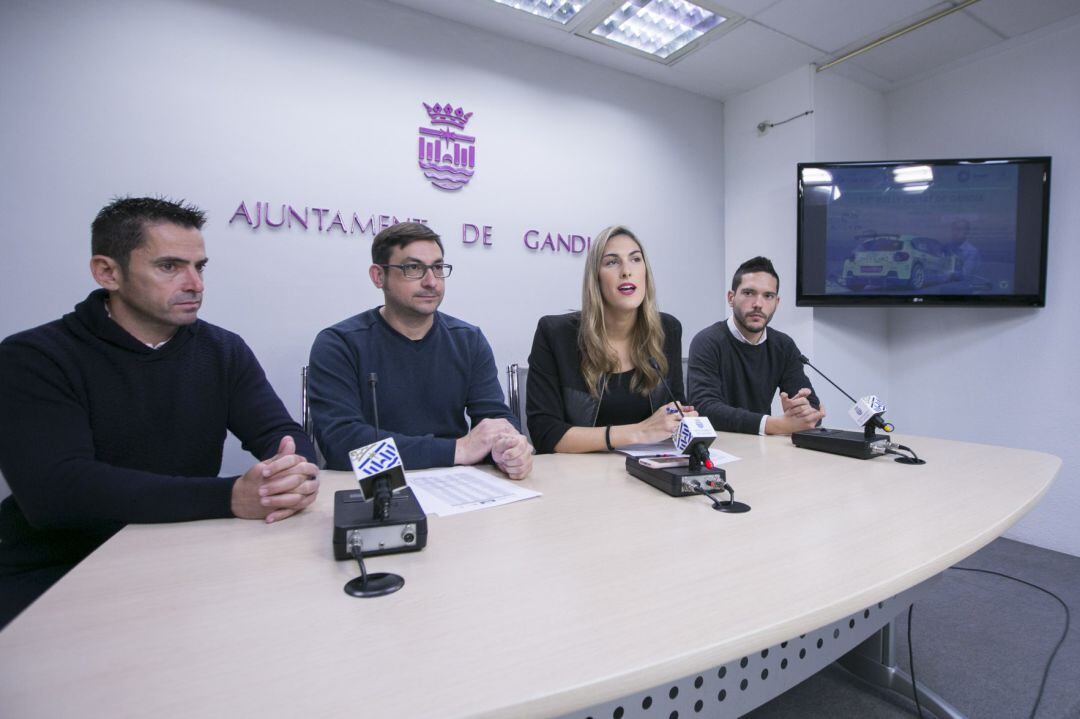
point(868, 413)
point(382, 516)
point(694, 434)
point(378, 466)
point(692, 437)
point(868, 409)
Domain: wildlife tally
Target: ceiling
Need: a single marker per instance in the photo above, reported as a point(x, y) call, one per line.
point(779, 36)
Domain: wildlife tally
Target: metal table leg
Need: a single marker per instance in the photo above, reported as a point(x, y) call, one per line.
point(874, 661)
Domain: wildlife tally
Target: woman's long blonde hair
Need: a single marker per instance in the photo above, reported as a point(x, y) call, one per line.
point(646, 339)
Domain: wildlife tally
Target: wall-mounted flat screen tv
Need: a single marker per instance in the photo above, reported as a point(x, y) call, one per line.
point(923, 232)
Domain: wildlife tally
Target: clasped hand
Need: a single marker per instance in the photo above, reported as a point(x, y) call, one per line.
point(512, 453)
point(278, 487)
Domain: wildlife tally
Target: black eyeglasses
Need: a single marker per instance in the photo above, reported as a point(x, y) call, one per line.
point(417, 270)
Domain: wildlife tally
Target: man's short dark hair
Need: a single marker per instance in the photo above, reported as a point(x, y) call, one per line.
point(400, 235)
point(119, 226)
point(757, 264)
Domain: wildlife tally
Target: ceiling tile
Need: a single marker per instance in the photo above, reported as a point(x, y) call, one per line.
point(783, 35)
point(1011, 18)
point(922, 50)
point(748, 56)
point(747, 8)
point(830, 25)
point(864, 77)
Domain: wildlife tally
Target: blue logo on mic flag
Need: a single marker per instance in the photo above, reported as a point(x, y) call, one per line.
point(684, 437)
point(375, 458)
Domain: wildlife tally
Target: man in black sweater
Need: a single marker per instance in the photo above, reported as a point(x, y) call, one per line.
point(736, 365)
point(118, 411)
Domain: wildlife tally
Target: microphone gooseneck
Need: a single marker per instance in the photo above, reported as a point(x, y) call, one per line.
point(875, 421)
point(806, 361)
point(383, 495)
point(656, 366)
point(373, 381)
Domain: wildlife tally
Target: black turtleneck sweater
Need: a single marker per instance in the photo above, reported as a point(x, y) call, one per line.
point(97, 430)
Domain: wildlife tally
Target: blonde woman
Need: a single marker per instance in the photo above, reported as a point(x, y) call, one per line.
point(592, 385)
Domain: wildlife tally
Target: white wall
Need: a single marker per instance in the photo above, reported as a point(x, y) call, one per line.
point(1003, 376)
point(851, 344)
point(760, 214)
point(998, 376)
point(319, 104)
point(759, 198)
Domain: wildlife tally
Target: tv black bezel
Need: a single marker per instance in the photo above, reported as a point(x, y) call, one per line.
point(890, 300)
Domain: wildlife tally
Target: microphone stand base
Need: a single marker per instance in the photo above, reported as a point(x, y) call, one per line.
point(731, 507)
point(378, 584)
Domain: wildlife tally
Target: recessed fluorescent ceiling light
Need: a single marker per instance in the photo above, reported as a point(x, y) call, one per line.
point(657, 27)
point(560, 11)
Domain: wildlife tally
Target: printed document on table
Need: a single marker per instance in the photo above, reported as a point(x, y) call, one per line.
point(718, 456)
point(463, 489)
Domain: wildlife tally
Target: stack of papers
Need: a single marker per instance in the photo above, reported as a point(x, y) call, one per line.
point(455, 490)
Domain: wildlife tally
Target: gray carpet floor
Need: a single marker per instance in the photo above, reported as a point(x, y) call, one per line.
point(980, 641)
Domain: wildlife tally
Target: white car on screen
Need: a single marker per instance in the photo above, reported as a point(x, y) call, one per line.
point(897, 261)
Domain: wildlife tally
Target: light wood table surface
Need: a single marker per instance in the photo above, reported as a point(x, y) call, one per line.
point(601, 587)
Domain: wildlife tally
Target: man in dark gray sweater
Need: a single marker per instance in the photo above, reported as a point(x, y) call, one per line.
point(737, 365)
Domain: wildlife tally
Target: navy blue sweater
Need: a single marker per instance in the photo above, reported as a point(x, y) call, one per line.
point(425, 388)
point(97, 430)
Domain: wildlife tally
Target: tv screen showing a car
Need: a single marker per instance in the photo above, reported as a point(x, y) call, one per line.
point(923, 232)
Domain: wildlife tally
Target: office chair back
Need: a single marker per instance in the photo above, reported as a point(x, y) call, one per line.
point(516, 376)
point(306, 422)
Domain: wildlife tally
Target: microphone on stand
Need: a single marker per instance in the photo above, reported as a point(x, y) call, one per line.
point(692, 437)
point(867, 409)
point(868, 412)
point(382, 516)
point(382, 491)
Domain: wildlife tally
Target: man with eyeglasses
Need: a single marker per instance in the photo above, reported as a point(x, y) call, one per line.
point(432, 369)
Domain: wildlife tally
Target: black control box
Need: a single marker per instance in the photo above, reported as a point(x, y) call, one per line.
point(842, 442)
point(405, 531)
point(677, 481)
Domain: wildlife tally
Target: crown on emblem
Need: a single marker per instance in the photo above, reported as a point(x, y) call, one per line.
point(447, 115)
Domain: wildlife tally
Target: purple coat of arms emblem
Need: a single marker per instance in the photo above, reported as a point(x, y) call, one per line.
point(447, 158)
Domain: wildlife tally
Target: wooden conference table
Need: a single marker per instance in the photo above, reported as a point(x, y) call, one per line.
point(601, 588)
